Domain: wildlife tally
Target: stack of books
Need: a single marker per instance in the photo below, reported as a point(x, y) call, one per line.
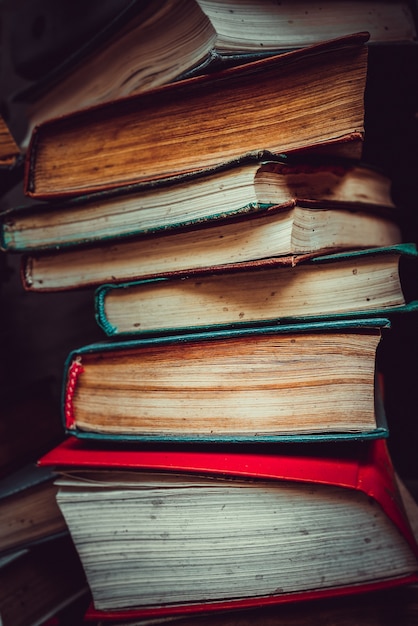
point(226, 441)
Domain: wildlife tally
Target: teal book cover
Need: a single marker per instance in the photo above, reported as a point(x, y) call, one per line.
point(351, 284)
point(298, 383)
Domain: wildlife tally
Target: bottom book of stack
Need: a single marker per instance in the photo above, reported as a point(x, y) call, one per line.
point(181, 531)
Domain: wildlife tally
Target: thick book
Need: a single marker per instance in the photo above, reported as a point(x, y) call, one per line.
point(303, 98)
point(371, 282)
point(145, 45)
point(240, 189)
point(297, 227)
point(313, 381)
point(191, 531)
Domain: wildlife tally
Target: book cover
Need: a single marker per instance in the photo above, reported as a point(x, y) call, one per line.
point(359, 283)
point(69, 155)
point(363, 469)
point(262, 384)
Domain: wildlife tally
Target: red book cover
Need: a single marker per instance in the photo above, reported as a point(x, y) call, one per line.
point(366, 467)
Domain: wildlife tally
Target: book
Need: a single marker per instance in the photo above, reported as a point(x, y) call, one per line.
point(144, 46)
point(264, 384)
point(276, 290)
point(42, 582)
point(177, 128)
point(28, 509)
point(398, 605)
point(243, 188)
point(9, 150)
point(335, 516)
point(296, 228)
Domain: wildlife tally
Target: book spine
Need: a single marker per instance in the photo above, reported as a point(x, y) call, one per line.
point(100, 313)
point(74, 371)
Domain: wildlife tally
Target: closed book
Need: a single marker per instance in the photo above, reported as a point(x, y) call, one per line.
point(312, 381)
point(225, 192)
point(143, 45)
point(295, 228)
point(371, 282)
point(260, 107)
point(191, 531)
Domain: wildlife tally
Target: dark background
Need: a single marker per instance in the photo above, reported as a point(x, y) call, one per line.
point(38, 330)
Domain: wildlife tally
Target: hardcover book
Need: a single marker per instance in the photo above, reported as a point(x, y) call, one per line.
point(241, 189)
point(295, 228)
point(282, 383)
point(310, 524)
point(372, 282)
point(145, 45)
point(303, 98)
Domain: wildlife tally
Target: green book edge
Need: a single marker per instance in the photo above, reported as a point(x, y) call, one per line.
point(405, 249)
point(381, 430)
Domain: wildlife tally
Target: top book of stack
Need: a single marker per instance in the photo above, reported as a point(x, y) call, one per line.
point(310, 98)
point(147, 44)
